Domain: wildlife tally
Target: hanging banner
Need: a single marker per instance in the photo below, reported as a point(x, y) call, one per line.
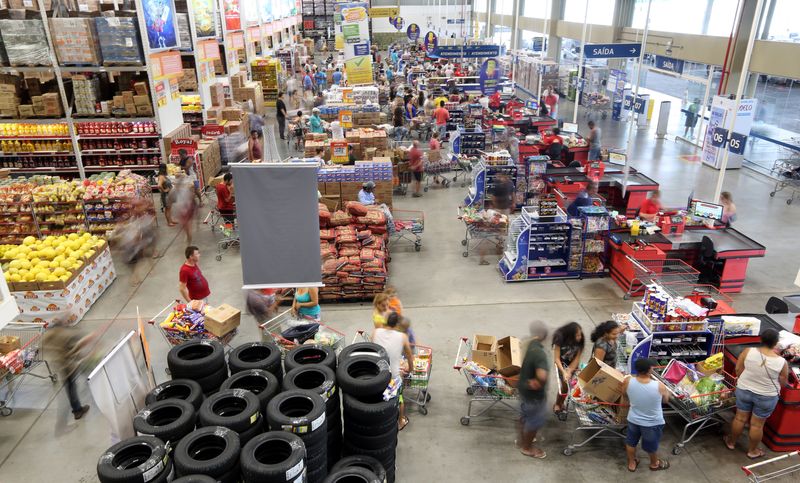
point(159, 18)
point(355, 36)
point(489, 76)
point(431, 41)
point(397, 22)
point(204, 12)
point(465, 51)
point(337, 26)
point(413, 32)
point(233, 16)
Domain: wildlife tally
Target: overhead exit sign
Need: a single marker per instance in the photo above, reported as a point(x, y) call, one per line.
point(611, 51)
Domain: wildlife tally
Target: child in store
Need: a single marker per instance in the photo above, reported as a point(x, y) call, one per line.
point(394, 301)
point(405, 327)
point(380, 310)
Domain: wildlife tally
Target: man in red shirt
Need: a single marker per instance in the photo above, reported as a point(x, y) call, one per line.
point(441, 115)
point(416, 165)
point(650, 207)
point(225, 204)
point(191, 282)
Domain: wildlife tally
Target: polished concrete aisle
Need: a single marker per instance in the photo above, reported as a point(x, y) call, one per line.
point(447, 297)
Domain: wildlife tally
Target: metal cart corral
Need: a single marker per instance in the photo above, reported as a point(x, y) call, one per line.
point(407, 225)
point(490, 389)
point(30, 356)
point(273, 329)
point(700, 411)
point(771, 468)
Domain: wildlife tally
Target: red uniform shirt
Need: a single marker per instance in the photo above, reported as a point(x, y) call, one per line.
point(415, 159)
point(650, 207)
point(196, 283)
point(224, 193)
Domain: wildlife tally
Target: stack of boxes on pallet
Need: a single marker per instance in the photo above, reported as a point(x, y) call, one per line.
point(9, 100)
point(76, 41)
point(243, 90)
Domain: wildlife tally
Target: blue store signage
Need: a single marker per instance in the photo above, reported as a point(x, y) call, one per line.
point(627, 104)
point(611, 51)
point(639, 105)
point(466, 51)
point(413, 32)
point(669, 64)
point(737, 143)
point(719, 137)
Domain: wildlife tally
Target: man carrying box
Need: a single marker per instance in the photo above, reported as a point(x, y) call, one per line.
point(532, 382)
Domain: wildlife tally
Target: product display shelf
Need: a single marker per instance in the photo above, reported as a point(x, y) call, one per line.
point(469, 141)
point(595, 222)
point(456, 121)
point(484, 180)
point(267, 71)
point(538, 248)
point(317, 17)
point(17, 221)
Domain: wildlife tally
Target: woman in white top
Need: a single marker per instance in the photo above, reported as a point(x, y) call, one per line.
point(761, 374)
point(396, 344)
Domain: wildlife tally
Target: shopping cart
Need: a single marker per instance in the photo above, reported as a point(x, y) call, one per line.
point(435, 167)
point(602, 420)
point(700, 411)
point(230, 237)
point(27, 358)
point(401, 175)
point(661, 271)
point(478, 233)
point(484, 387)
point(407, 225)
point(787, 172)
point(296, 133)
point(463, 166)
point(772, 469)
point(597, 107)
point(177, 333)
point(273, 330)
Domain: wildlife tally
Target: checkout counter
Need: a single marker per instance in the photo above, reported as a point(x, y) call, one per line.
point(782, 429)
point(567, 182)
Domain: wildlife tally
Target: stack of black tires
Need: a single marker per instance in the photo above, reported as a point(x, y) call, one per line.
point(370, 423)
point(202, 361)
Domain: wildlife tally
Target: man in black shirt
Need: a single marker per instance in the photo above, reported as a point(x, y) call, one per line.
point(280, 108)
point(532, 394)
point(398, 116)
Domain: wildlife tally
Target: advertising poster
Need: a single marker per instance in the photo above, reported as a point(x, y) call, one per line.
point(233, 16)
point(355, 36)
point(431, 41)
point(398, 22)
point(265, 6)
point(161, 94)
point(382, 12)
point(159, 17)
point(720, 116)
point(413, 32)
point(337, 26)
point(489, 76)
point(204, 11)
point(174, 88)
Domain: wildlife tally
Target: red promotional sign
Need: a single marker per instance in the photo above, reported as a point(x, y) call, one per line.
point(233, 15)
point(212, 130)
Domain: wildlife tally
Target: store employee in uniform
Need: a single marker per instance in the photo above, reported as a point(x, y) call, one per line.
point(650, 207)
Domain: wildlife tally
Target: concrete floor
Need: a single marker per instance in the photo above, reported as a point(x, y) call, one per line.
point(447, 297)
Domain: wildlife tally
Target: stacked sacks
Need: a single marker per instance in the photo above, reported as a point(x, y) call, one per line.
point(236, 409)
point(202, 361)
point(370, 423)
point(303, 413)
point(274, 457)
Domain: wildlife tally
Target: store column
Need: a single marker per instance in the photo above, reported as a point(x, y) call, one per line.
point(553, 40)
point(735, 64)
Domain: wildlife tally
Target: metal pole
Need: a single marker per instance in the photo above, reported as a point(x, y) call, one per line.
point(739, 89)
point(627, 169)
point(580, 65)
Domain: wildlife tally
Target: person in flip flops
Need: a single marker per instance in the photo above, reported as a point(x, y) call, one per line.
point(645, 417)
point(533, 397)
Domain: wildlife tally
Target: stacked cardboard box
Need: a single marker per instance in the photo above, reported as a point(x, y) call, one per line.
point(188, 83)
point(185, 35)
point(217, 94)
point(76, 42)
point(210, 157)
point(9, 100)
point(250, 92)
point(87, 91)
point(182, 131)
point(119, 40)
point(383, 191)
point(88, 5)
point(25, 42)
point(310, 149)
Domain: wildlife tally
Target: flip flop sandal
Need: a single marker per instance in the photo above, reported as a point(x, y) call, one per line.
point(483, 262)
point(760, 454)
point(725, 441)
point(662, 465)
point(635, 467)
point(404, 425)
point(540, 456)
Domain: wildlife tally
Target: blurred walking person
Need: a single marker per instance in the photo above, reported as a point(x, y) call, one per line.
point(184, 206)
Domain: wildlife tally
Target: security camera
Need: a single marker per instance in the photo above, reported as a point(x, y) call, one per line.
point(668, 50)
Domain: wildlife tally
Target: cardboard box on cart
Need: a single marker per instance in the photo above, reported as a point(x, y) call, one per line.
point(484, 350)
point(223, 319)
point(602, 381)
point(509, 356)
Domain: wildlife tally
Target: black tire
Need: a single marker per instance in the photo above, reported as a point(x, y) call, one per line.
point(374, 442)
point(168, 420)
point(211, 383)
point(298, 411)
point(231, 476)
point(363, 376)
point(135, 460)
point(312, 377)
point(364, 348)
point(383, 455)
point(370, 410)
point(361, 461)
point(195, 479)
point(186, 389)
point(316, 438)
point(195, 359)
point(255, 355)
point(317, 475)
point(262, 383)
point(275, 456)
point(310, 354)
point(211, 451)
point(254, 430)
point(354, 425)
point(317, 456)
point(235, 409)
point(166, 475)
point(352, 474)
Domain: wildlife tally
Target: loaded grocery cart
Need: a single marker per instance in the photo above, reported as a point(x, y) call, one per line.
point(401, 178)
point(288, 332)
point(483, 386)
point(407, 225)
point(699, 398)
point(773, 468)
point(435, 167)
point(601, 420)
point(185, 322)
point(26, 354)
point(482, 227)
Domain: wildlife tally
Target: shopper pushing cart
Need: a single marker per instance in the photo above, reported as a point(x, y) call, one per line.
point(24, 353)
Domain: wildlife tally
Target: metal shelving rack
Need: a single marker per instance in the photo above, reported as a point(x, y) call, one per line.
point(595, 222)
point(317, 18)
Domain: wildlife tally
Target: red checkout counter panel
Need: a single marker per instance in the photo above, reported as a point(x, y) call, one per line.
point(570, 181)
point(727, 268)
point(782, 429)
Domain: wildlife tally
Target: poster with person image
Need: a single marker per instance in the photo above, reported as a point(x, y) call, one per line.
point(159, 18)
point(413, 32)
point(489, 76)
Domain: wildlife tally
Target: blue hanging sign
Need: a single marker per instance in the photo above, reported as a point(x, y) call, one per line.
point(466, 51)
point(431, 41)
point(737, 143)
point(719, 136)
point(627, 103)
point(413, 32)
point(669, 64)
point(489, 76)
point(611, 51)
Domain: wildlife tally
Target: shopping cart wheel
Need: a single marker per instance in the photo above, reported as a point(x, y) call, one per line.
point(561, 415)
point(417, 247)
point(568, 451)
point(465, 421)
point(465, 254)
point(423, 410)
point(463, 185)
point(427, 397)
point(425, 189)
point(677, 449)
point(455, 178)
point(5, 411)
point(470, 391)
point(53, 378)
point(464, 243)
point(446, 183)
point(772, 195)
point(219, 258)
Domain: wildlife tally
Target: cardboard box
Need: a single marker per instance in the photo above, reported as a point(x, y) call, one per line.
point(223, 319)
point(602, 381)
point(141, 100)
point(484, 350)
point(509, 356)
point(146, 110)
point(9, 343)
point(119, 102)
point(140, 88)
point(621, 411)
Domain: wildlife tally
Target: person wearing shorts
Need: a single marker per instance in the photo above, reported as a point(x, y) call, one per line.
point(532, 382)
point(645, 417)
point(417, 166)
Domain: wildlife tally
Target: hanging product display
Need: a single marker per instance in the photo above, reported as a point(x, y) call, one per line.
point(204, 12)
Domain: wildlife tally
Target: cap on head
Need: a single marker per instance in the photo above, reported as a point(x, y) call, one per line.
point(368, 185)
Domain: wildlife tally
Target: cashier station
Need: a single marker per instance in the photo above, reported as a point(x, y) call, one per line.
point(782, 429)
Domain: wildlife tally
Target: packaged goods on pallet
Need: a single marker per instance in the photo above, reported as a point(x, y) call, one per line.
point(25, 42)
point(119, 40)
point(76, 41)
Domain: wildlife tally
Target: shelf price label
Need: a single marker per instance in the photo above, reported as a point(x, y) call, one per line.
point(737, 143)
point(719, 137)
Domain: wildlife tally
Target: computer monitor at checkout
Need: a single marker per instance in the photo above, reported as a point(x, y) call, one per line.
point(569, 128)
point(709, 211)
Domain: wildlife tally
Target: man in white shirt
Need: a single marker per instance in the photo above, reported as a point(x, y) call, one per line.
point(484, 102)
point(366, 196)
point(397, 346)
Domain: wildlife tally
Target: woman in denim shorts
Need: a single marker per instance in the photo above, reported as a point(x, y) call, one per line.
point(645, 417)
point(761, 373)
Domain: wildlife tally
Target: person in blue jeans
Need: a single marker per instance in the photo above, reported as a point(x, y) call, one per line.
point(645, 417)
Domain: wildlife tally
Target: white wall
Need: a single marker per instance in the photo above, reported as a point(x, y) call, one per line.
point(425, 15)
